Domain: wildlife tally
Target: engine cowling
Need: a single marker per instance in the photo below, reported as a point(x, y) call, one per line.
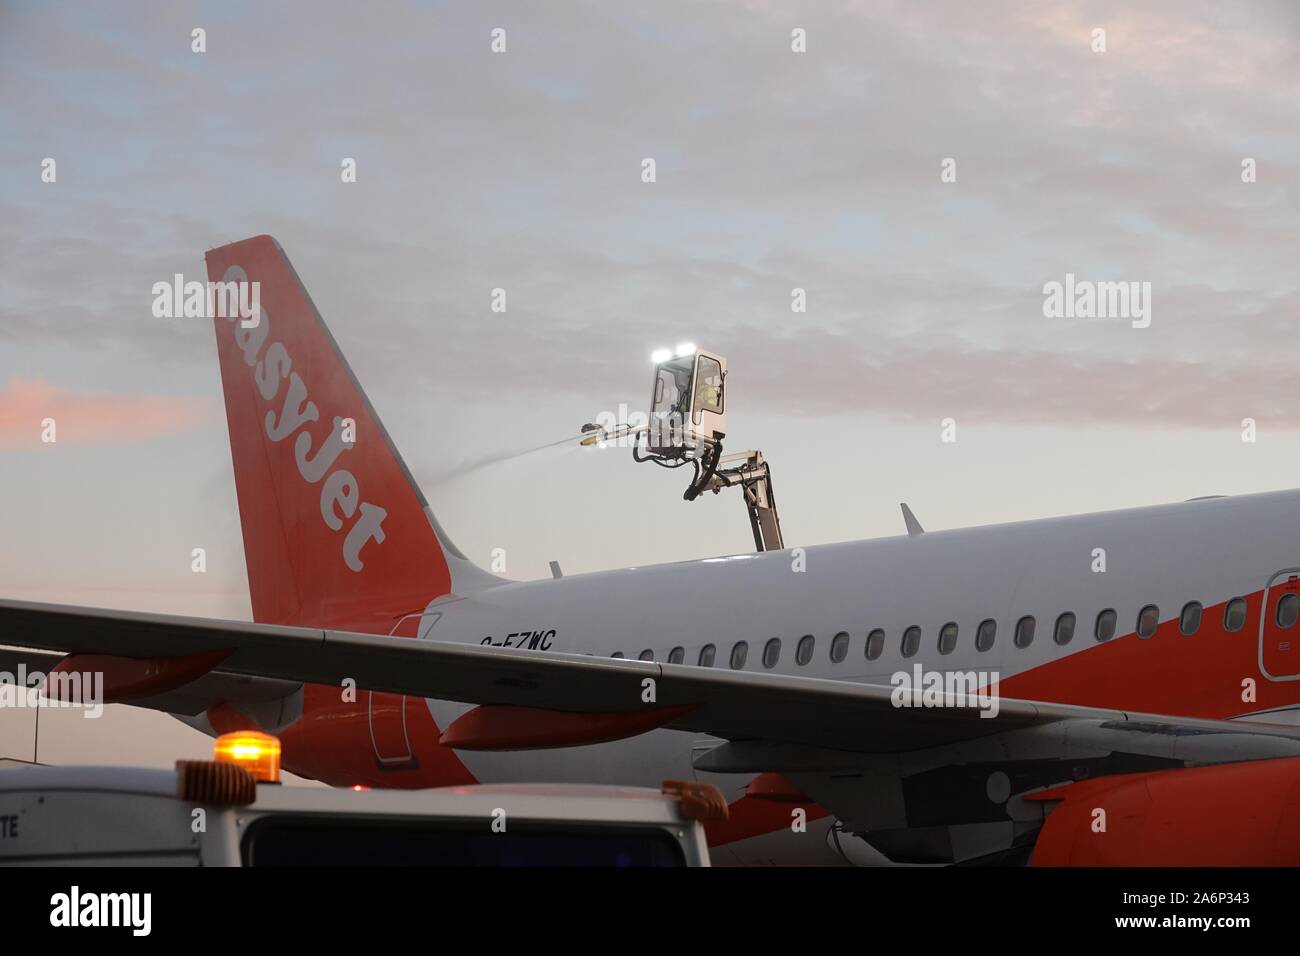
point(1241, 814)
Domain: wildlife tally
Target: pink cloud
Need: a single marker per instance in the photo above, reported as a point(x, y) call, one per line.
point(89, 418)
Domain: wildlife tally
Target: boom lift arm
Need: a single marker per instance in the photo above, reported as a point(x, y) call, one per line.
point(754, 477)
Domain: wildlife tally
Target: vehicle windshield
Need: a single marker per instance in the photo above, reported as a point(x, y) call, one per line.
point(673, 387)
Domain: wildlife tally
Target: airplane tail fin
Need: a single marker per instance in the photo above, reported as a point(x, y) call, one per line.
point(336, 532)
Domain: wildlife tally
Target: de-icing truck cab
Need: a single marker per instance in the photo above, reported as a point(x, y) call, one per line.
point(232, 811)
point(686, 425)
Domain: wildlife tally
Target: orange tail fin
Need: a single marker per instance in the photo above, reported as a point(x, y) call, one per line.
point(336, 532)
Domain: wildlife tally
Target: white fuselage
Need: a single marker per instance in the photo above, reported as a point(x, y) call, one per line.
point(1207, 551)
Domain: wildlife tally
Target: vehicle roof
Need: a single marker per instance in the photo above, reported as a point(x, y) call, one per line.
point(596, 804)
point(121, 779)
point(572, 802)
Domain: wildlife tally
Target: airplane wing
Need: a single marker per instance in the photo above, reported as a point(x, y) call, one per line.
point(817, 715)
point(195, 697)
point(931, 784)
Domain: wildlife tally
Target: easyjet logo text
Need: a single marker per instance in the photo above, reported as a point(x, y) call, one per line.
point(340, 494)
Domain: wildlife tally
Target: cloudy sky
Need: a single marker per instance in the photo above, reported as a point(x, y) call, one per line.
point(775, 170)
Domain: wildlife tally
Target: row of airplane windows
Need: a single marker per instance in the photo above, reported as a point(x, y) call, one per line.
point(1189, 622)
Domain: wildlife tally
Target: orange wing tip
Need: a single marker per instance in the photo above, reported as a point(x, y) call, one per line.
point(697, 801)
point(206, 781)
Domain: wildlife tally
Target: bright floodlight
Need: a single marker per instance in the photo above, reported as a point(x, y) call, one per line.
point(660, 355)
point(685, 349)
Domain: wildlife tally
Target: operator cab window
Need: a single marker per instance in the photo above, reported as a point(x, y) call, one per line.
point(671, 388)
point(708, 387)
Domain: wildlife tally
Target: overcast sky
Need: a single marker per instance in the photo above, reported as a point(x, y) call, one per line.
point(775, 170)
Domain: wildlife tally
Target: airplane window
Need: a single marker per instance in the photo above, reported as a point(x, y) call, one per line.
point(839, 647)
point(875, 644)
point(1064, 632)
point(1234, 615)
point(911, 640)
point(1148, 619)
point(677, 655)
point(707, 653)
point(646, 655)
point(988, 630)
point(1189, 622)
point(1287, 608)
point(804, 652)
point(772, 652)
point(1024, 632)
point(739, 651)
point(1105, 625)
point(618, 654)
point(947, 638)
